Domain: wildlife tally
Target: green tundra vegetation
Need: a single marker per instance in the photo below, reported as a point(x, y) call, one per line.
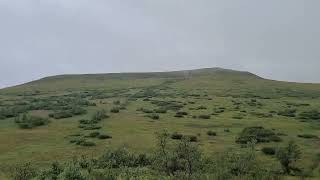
point(200, 124)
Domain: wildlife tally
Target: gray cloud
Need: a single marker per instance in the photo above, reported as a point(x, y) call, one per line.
point(274, 39)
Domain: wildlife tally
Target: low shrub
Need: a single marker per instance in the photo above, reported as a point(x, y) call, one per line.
point(28, 122)
point(94, 134)
point(192, 138)
point(154, 116)
point(148, 111)
point(269, 150)
point(310, 115)
point(92, 127)
point(87, 143)
point(201, 108)
point(104, 136)
point(308, 136)
point(204, 116)
point(176, 136)
point(288, 113)
point(115, 110)
point(182, 113)
point(162, 111)
point(259, 134)
point(211, 133)
point(99, 115)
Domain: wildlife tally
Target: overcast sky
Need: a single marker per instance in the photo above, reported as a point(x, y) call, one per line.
point(277, 39)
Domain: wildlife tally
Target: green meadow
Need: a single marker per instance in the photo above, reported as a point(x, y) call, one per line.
point(62, 118)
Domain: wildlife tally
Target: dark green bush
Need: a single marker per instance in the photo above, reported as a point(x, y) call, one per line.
point(104, 136)
point(308, 136)
point(154, 116)
point(94, 134)
point(269, 150)
point(288, 113)
point(192, 138)
point(176, 136)
point(61, 114)
point(310, 115)
point(211, 133)
point(28, 122)
point(92, 127)
point(160, 111)
point(87, 143)
point(100, 115)
point(115, 110)
point(147, 111)
point(259, 134)
point(182, 113)
point(201, 108)
point(204, 116)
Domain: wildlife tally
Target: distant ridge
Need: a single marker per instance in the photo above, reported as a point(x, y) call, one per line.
point(161, 74)
point(75, 81)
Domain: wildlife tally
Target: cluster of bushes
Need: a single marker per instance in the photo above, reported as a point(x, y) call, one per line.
point(13, 111)
point(29, 122)
point(82, 142)
point(259, 134)
point(168, 105)
point(170, 160)
point(254, 103)
point(181, 114)
point(204, 116)
point(96, 118)
point(269, 150)
point(98, 135)
point(115, 110)
point(262, 115)
point(179, 136)
point(309, 115)
point(153, 116)
point(308, 136)
point(99, 115)
point(211, 133)
point(288, 113)
point(201, 107)
point(67, 113)
point(218, 110)
point(89, 125)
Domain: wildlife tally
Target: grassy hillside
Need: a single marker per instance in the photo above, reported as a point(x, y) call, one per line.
point(140, 104)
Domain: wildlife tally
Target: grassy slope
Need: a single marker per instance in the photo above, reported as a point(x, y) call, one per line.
point(130, 128)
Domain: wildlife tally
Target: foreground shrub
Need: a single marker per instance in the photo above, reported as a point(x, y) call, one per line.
point(287, 156)
point(23, 172)
point(259, 134)
point(117, 158)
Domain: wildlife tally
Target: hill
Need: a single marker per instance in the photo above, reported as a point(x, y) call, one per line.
point(59, 117)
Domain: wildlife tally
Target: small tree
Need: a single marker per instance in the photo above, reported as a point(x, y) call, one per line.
point(288, 156)
point(189, 155)
point(162, 154)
